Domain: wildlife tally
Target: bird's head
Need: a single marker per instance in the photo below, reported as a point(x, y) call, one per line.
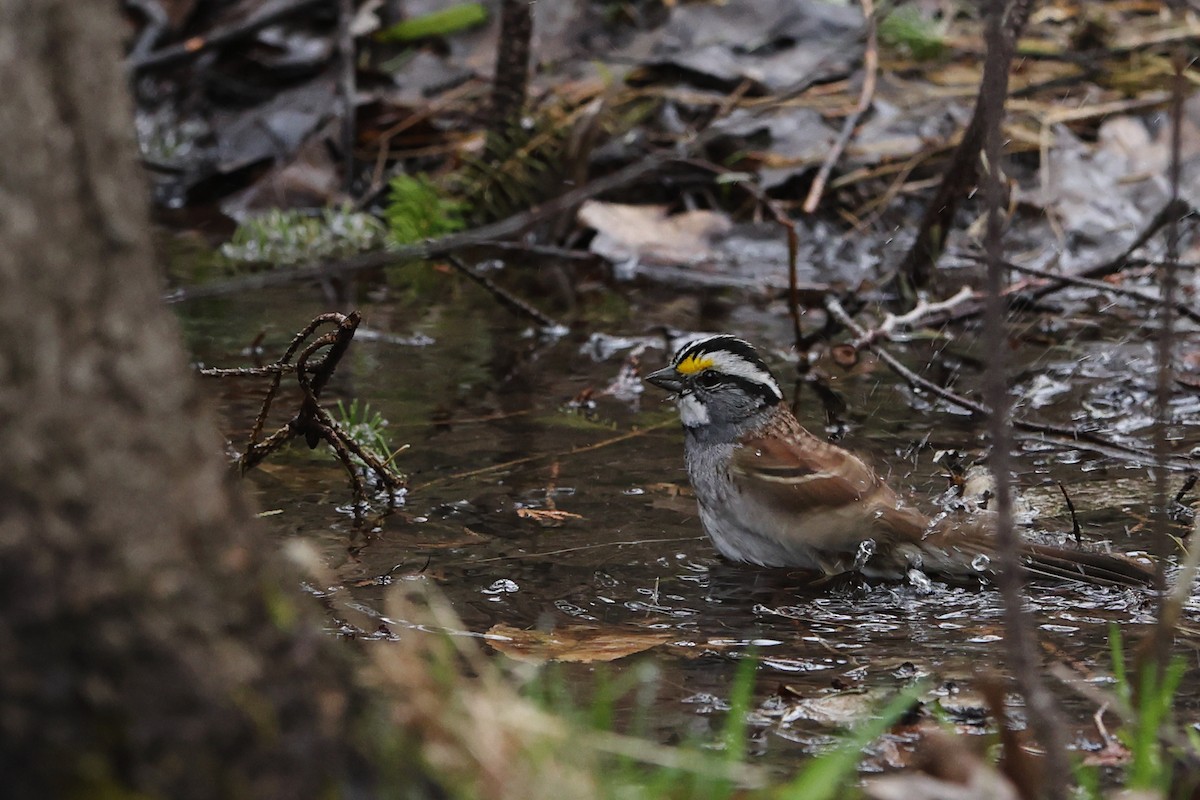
point(718, 379)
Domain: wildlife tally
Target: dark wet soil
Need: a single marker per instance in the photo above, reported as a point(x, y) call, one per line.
point(487, 409)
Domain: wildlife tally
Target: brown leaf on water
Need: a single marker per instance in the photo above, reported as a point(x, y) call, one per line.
point(583, 643)
point(547, 517)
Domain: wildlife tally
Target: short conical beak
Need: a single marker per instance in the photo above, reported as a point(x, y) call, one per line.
point(666, 378)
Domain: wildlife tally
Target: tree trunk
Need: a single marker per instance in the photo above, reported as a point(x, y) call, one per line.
point(145, 644)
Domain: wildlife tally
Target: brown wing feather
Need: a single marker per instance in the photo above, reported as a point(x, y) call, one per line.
point(819, 494)
point(802, 477)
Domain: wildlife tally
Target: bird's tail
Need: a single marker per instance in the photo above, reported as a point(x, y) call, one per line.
point(965, 545)
point(1083, 565)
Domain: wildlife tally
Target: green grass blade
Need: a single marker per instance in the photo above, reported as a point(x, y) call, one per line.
point(438, 23)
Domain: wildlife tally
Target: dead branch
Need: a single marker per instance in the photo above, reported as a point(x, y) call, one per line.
point(920, 312)
point(510, 226)
point(511, 79)
point(312, 422)
point(1170, 214)
point(1020, 636)
point(1183, 309)
point(1159, 647)
point(1021, 296)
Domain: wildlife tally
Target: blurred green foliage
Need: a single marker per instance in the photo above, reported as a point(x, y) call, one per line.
point(908, 32)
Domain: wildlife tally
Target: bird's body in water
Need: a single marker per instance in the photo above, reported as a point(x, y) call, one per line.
point(771, 493)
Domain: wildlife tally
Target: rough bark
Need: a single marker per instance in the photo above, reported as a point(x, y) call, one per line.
point(149, 642)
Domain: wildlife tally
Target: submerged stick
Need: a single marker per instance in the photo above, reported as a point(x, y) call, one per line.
point(503, 296)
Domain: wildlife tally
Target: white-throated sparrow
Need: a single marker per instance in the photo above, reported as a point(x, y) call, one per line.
point(771, 493)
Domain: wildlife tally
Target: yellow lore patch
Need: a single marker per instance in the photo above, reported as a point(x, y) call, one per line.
point(693, 364)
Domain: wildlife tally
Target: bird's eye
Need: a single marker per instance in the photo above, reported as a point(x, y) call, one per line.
point(709, 379)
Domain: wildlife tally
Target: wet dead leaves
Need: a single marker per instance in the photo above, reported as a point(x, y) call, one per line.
point(584, 644)
point(596, 643)
point(547, 517)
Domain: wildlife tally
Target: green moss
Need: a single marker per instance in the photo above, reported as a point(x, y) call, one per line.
point(907, 31)
point(418, 210)
point(282, 237)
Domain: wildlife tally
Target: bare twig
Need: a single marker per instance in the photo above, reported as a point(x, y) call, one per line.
point(1181, 308)
point(1078, 437)
point(1020, 637)
point(505, 298)
point(1164, 630)
point(1075, 529)
point(780, 215)
point(311, 421)
point(921, 311)
point(793, 244)
point(865, 97)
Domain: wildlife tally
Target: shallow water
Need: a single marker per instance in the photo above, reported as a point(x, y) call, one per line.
point(489, 412)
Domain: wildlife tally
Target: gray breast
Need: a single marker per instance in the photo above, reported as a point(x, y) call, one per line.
point(736, 527)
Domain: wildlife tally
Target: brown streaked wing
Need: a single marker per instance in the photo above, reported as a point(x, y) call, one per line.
point(801, 473)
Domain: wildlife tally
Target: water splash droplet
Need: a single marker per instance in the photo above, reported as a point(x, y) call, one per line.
point(920, 581)
point(981, 563)
point(866, 549)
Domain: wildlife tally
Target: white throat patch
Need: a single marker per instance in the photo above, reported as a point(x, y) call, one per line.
point(692, 413)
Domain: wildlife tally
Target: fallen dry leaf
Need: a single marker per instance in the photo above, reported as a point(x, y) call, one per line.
point(583, 644)
point(548, 517)
point(646, 233)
